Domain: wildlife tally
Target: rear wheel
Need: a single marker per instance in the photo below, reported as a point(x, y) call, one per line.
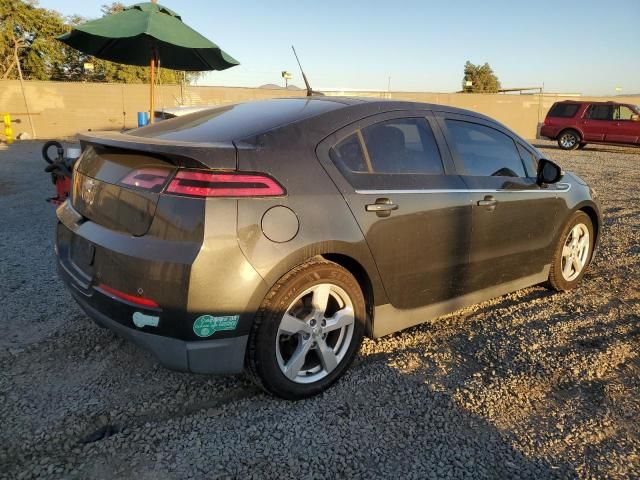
point(573, 253)
point(307, 331)
point(568, 140)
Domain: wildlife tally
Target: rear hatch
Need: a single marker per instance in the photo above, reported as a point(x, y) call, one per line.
point(118, 180)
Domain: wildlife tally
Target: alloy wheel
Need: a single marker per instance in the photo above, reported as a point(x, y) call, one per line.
point(315, 333)
point(568, 140)
point(575, 252)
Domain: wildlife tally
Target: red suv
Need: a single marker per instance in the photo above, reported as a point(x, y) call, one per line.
point(574, 124)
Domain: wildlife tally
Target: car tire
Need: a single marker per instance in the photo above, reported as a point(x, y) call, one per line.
point(568, 139)
point(573, 253)
point(581, 146)
point(307, 331)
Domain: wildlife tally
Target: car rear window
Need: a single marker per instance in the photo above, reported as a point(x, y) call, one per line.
point(233, 122)
point(564, 110)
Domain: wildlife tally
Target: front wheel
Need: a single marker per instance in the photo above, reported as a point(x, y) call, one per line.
point(569, 140)
point(573, 253)
point(307, 331)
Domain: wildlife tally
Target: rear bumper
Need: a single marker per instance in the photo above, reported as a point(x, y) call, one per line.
point(220, 356)
point(186, 282)
point(549, 131)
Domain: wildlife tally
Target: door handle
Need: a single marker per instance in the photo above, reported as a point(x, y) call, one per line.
point(382, 207)
point(489, 201)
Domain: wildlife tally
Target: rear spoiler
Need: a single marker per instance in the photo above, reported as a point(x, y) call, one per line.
point(221, 155)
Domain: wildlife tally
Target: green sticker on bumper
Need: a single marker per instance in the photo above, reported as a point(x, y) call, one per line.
point(207, 325)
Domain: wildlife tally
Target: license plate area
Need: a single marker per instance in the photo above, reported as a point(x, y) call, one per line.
point(83, 255)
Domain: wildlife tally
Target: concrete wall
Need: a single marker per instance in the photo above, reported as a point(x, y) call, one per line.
point(521, 113)
point(62, 109)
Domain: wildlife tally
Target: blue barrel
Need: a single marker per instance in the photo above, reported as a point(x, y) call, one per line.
point(143, 118)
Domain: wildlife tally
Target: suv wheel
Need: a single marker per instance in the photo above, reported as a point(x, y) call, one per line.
point(573, 253)
point(307, 331)
point(569, 140)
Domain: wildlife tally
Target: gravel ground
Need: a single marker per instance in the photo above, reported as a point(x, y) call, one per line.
point(530, 385)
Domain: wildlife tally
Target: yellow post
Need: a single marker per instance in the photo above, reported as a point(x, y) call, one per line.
point(8, 131)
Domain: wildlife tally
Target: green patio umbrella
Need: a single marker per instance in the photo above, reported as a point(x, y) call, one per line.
point(148, 34)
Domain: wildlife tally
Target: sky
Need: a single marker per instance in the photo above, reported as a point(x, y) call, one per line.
point(588, 46)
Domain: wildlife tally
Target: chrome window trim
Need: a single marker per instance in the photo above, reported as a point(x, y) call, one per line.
point(564, 187)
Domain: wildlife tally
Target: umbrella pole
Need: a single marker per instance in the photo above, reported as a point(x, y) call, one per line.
point(153, 84)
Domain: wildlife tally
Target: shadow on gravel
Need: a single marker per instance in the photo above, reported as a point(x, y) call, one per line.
point(442, 439)
point(556, 389)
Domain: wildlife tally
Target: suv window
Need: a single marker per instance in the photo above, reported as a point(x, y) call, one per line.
point(622, 112)
point(564, 110)
point(600, 112)
point(484, 151)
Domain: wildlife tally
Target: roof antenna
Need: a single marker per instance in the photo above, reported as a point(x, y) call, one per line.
point(310, 91)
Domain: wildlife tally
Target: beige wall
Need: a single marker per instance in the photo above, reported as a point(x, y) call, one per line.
point(63, 109)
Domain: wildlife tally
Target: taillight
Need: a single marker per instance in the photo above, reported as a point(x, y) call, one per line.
point(215, 184)
point(151, 178)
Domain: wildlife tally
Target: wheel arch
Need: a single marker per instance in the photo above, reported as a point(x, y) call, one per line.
point(574, 128)
point(363, 279)
point(358, 262)
point(595, 219)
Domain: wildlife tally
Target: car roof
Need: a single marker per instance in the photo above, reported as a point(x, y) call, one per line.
point(245, 120)
point(608, 102)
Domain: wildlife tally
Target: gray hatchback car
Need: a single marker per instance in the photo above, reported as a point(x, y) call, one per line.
point(272, 236)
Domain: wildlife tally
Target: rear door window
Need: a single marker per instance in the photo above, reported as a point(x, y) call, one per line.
point(403, 146)
point(564, 110)
point(485, 151)
point(600, 112)
point(348, 155)
point(394, 153)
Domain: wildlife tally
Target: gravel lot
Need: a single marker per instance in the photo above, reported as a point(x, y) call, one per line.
point(531, 385)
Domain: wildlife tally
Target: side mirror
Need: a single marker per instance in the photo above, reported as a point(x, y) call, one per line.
point(548, 172)
point(635, 118)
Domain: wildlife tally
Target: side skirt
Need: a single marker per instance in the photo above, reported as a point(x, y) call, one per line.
point(388, 319)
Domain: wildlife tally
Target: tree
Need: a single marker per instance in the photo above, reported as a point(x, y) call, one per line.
point(482, 79)
point(32, 31)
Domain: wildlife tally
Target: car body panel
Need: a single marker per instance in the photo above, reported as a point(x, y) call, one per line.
point(421, 250)
point(624, 131)
point(513, 237)
point(311, 195)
